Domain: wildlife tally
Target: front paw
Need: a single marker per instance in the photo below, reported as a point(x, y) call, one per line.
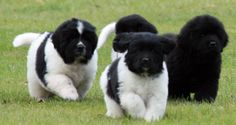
point(137, 114)
point(151, 116)
point(69, 94)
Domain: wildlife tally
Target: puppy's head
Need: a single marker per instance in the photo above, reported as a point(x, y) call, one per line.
point(134, 23)
point(75, 40)
point(203, 35)
point(145, 51)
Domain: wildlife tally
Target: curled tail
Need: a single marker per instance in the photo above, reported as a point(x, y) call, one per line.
point(25, 39)
point(106, 31)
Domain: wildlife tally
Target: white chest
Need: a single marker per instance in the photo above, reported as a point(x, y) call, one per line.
point(78, 73)
point(144, 87)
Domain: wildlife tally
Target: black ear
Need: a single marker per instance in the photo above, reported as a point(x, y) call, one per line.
point(224, 37)
point(168, 42)
point(121, 42)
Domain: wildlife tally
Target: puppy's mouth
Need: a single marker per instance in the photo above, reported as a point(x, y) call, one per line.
point(145, 69)
point(79, 52)
point(145, 65)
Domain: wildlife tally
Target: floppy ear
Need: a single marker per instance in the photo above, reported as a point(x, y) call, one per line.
point(121, 42)
point(168, 43)
point(224, 37)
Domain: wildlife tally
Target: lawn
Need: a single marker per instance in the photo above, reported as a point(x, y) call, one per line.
point(19, 16)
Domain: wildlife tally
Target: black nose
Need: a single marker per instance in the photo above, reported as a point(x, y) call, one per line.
point(80, 48)
point(145, 60)
point(212, 44)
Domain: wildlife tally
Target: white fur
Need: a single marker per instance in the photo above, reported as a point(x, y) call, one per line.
point(140, 97)
point(115, 55)
point(106, 31)
point(80, 27)
point(25, 39)
point(67, 81)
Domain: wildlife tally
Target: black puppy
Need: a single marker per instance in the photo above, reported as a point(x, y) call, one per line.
point(127, 24)
point(195, 63)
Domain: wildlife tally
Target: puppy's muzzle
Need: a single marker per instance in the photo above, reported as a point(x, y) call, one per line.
point(145, 62)
point(80, 50)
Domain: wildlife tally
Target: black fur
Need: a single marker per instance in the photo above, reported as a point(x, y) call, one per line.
point(133, 23)
point(66, 37)
point(41, 68)
point(113, 85)
point(145, 52)
point(194, 64)
point(172, 37)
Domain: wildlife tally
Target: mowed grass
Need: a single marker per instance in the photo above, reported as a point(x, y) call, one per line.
point(19, 16)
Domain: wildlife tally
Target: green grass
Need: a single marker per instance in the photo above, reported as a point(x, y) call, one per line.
point(19, 16)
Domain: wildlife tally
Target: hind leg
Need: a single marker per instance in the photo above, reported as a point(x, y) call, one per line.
point(207, 92)
point(113, 109)
point(37, 91)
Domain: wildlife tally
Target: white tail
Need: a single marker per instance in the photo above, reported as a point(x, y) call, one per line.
point(25, 39)
point(106, 31)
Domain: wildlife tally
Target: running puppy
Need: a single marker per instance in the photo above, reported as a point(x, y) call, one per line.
point(63, 62)
point(137, 82)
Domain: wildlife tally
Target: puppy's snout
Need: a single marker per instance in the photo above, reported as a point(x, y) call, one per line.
point(80, 48)
point(145, 61)
point(212, 44)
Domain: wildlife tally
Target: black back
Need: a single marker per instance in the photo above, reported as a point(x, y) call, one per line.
point(41, 68)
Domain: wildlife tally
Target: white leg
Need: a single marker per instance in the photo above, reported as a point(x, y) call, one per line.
point(113, 109)
point(155, 108)
point(133, 104)
point(37, 91)
point(62, 86)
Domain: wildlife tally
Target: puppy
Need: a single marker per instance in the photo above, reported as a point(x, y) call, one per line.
point(195, 63)
point(130, 23)
point(137, 82)
point(63, 62)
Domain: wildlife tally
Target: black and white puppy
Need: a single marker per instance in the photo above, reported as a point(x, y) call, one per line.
point(130, 23)
point(195, 63)
point(63, 62)
point(137, 82)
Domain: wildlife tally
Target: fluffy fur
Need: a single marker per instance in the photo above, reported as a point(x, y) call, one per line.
point(131, 23)
point(63, 62)
point(194, 64)
point(137, 82)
